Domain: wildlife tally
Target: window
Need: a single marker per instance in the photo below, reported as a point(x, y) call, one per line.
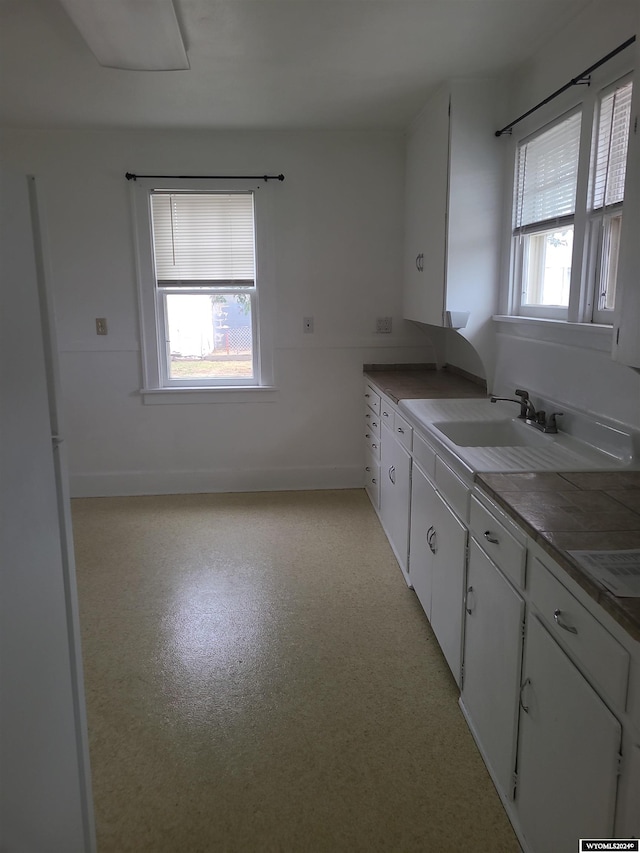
point(567, 211)
point(544, 210)
point(202, 273)
point(607, 194)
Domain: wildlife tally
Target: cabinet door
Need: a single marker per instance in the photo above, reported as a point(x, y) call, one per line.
point(449, 544)
point(395, 496)
point(426, 185)
point(492, 662)
point(421, 557)
point(568, 751)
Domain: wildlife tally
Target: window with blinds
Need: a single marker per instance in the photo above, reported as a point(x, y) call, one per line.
point(546, 178)
point(203, 239)
point(607, 182)
point(612, 138)
point(547, 175)
point(204, 262)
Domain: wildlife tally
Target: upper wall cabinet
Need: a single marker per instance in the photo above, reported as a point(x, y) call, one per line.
point(626, 340)
point(454, 204)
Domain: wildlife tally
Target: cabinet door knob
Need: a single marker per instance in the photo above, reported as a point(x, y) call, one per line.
point(556, 615)
point(488, 535)
point(400, 430)
point(374, 424)
point(374, 446)
point(385, 414)
point(524, 707)
point(367, 468)
point(374, 481)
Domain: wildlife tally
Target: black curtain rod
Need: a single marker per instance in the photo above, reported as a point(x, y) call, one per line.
point(130, 176)
point(576, 81)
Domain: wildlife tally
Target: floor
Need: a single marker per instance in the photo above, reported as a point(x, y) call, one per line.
point(259, 678)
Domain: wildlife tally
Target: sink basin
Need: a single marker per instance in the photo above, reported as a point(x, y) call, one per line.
point(510, 433)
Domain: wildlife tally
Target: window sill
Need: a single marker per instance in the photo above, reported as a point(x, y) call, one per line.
point(586, 335)
point(196, 395)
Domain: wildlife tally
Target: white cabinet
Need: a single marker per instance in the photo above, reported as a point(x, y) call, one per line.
point(626, 341)
point(492, 660)
point(372, 432)
point(453, 206)
point(395, 496)
point(568, 751)
point(437, 566)
point(421, 556)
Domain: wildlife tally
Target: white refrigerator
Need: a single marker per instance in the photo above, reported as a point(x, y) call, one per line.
point(45, 787)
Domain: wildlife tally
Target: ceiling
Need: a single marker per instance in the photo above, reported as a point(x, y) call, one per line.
point(269, 64)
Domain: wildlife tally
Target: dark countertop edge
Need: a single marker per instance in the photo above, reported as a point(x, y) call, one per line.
point(374, 368)
point(598, 593)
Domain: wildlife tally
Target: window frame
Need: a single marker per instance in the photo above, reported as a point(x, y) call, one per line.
point(151, 298)
point(584, 285)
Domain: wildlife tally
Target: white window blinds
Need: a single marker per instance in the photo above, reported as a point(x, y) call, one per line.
point(546, 174)
point(611, 147)
point(203, 239)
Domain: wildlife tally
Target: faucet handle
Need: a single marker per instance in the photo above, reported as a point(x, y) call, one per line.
point(551, 421)
point(523, 394)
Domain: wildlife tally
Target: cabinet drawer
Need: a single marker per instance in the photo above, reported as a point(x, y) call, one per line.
point(505, 551)
point(600, 656)
point(372, 480)
point(403, 431)
point(452, 488)
point(386, 413)
point(372, 422)
point(373, 444)
point(372, 399)
point(424, 455)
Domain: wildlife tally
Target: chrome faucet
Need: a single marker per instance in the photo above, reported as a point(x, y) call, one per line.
point(539, 420)
point(527, 410)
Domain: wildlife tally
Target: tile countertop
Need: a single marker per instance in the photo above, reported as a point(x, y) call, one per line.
point(421, 382)
point(577, 511)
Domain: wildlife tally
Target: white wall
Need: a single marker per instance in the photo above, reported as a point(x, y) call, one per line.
point(580, 375)
point(338, 259)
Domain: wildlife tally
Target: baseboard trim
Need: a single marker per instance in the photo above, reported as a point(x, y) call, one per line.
point(129, 483)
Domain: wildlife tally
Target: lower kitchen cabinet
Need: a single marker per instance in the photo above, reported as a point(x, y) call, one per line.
point(492, 663)
point(395, 496)
point(421, 557)
point(437, 566)
point(568, 753)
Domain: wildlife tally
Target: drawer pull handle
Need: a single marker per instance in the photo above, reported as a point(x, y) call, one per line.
point(488, 535)
point(400, 430)
point(524, 707)
point(469, 609)
point(392, 474)
point(556, 615)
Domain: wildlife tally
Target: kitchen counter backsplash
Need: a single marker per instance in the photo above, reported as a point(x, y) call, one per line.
point(566, 512)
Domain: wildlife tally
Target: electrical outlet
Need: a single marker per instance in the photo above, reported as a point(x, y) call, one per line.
point(307, 325)
point(383, 325)
point(101, 326)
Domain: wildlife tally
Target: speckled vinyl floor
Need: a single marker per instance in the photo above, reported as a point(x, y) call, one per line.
point(259, 678)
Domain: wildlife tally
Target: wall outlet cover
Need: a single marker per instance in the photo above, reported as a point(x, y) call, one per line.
point(384, 325)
